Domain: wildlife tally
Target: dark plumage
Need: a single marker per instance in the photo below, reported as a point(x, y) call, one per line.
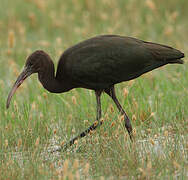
point(98, 63)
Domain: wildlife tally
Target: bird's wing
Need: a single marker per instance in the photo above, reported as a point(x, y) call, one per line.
point(102, 61)
point(102, 64)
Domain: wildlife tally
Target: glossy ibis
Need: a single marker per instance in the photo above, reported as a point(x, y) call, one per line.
point(98, 64)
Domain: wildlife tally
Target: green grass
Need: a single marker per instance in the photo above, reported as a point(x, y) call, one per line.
point(38, 121)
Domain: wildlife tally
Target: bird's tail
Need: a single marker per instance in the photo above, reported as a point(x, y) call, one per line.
point(165, 53)
point(176, 61)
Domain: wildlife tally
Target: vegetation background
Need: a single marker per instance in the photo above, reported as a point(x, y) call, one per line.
point(38, 121)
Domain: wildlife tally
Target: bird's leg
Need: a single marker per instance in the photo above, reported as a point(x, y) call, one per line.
point(98, 98)
point(92, 127)
point(111, 93)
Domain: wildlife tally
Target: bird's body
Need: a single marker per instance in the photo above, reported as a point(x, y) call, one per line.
point(98, 64)
point(101, 62)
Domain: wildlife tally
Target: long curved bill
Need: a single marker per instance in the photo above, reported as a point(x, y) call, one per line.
point(25, 73)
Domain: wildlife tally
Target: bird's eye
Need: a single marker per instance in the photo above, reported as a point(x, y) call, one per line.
point(30, 64)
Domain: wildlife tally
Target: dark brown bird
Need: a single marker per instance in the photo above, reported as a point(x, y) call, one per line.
point(98, 64)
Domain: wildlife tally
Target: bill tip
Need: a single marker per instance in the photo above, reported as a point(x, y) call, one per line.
point(7, 106)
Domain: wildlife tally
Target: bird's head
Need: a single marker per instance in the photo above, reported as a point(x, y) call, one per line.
point(34, 64)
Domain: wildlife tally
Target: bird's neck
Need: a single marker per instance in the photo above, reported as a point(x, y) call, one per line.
point(49, 81)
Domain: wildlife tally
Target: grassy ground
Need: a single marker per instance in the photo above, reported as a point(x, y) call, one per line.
point(38, 121)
